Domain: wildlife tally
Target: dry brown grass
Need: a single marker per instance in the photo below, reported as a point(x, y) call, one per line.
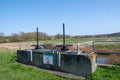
point(113, 58)
point(15, 46)
point(25, 45)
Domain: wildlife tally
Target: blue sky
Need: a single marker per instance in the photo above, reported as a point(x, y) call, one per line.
point(81, 17)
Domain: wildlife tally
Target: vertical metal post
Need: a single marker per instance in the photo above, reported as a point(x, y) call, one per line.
point(93, 48)
point(64, 47)
point(37, 37)
point(59, 58)
point(78, 51)
point(63, 34)
point(37, 45)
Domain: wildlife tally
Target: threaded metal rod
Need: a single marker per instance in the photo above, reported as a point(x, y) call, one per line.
point(37, 37)
point(37, 45)
point(63, 34)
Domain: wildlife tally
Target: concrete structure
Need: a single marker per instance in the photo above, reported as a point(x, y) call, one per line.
point(65, 61)
point(74, 62)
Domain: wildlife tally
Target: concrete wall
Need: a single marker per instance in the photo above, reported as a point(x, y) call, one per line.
point(82, 65)
point(22, 56)
point(76, 64)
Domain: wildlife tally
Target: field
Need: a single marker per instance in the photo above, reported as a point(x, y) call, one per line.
point(12, 70)
point(50, 44)
point(17, 45)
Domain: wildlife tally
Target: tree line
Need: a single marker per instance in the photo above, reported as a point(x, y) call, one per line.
point(31, 36)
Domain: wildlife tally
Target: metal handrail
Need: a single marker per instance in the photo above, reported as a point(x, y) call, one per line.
point(79, 44)
point(92, 42)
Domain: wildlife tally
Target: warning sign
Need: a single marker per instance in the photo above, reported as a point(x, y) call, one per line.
point(48, 58)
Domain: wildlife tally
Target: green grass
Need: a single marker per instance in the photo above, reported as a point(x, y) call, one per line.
point(74, 40)
point(106, 73)
point(11, 70)
point(108, 46)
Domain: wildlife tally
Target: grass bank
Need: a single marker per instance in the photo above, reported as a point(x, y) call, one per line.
point(11, 70)
point(106, 73)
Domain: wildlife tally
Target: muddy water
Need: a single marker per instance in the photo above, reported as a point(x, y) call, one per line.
point(108, 58)
point(102, 59)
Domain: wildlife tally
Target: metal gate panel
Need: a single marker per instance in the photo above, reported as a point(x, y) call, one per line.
point(29, 55)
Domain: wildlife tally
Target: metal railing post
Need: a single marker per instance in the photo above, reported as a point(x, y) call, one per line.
point(93, 48)
point(78, 51)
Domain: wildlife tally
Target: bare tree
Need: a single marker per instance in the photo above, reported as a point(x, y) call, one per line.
point(2, 34)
